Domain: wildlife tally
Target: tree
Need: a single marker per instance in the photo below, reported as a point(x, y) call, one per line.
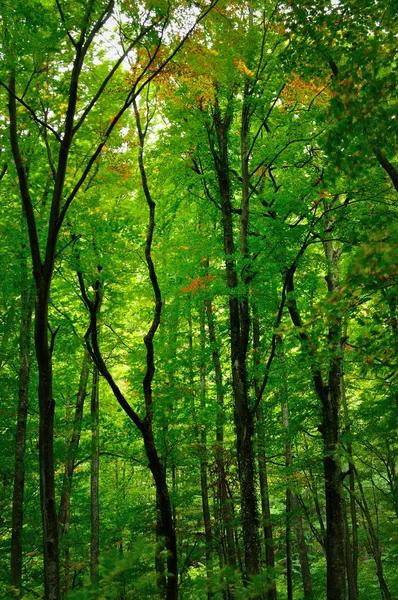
point(86, 24)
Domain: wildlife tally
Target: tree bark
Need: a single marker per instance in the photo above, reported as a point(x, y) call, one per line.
point(240, 328)
point(20, 435)
point(42, 273)
point(159, 561)
point(332, 398)
point(352, 549)
point(94, 482)
point(289, 552)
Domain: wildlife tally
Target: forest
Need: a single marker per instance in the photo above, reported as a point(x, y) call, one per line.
point(198, 300)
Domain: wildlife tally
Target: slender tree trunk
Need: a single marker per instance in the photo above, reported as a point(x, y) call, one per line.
point(351, 580)
point(73, 445)
point(203, 462)
point(320, 534)
point(352, 549)
point(244, 416)
point(225, 503)
point(240, 328)
point(20, 435)
point(292, 505)
point(373, 540)
point(389, 168)
point(392, 475)
point(289, 553)
point(7, 321)
point(301, 548)
point(94, 482)
point(66, 510)
point(332, 398)
point(292, 508)
point(263, 475)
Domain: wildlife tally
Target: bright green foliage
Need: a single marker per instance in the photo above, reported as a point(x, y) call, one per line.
point(318, 79)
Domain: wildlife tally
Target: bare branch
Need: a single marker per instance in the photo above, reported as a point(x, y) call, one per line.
point(11, 92)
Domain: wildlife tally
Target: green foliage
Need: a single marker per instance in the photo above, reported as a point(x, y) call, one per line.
point(317, 79)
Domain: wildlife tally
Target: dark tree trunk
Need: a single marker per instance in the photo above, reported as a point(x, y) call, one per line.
point(159, 561)
point(240, 328)
point(46, 449)
point(42, 273)
point(320, 534)
point(389, 168)
point(352, 549)
point(20, 435)
point(94, 482)
point(66, 494)
point(330, 396)
point(159, 475)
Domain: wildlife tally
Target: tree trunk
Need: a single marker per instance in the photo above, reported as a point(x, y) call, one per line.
point(301, 548)
point(94, 482)
point(373, 540)
point(289, 553)
point(159, 562)
point(73, 445)
point(20, 435)
point(71, 450)
point(292, 515)
point(203, 464)
point(262, 464)
point(159, 474)
point(332, 398)
point(144, 425)
point(240, 328)
point(46, 449)
point(352, 549)
point(225, 503)
point(42, 272)
point(65, 499)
